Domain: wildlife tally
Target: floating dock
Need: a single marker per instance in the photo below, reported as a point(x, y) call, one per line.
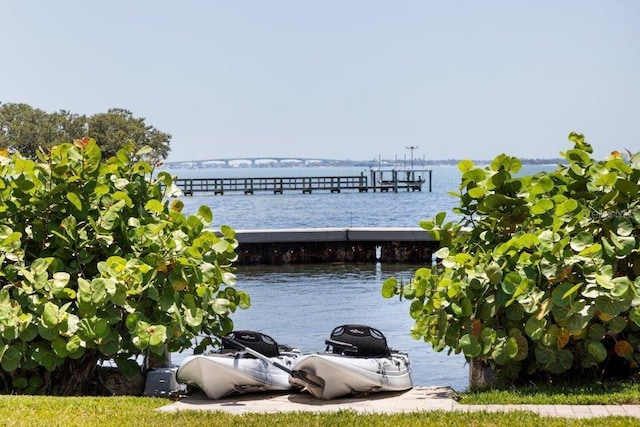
point(327, 245)
point(376, 181)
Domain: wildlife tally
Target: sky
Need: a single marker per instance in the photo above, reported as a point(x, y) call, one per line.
point(350, 79)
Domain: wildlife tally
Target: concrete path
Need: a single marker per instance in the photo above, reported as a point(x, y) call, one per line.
point(416, 399)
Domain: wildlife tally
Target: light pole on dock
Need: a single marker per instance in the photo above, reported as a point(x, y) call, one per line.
point(412, 147)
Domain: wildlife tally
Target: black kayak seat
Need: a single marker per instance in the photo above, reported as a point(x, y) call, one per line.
point(256, 341)
point(358, 341)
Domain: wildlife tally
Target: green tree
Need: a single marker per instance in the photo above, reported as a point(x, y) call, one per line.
point(26, 129)
point(98, 262)
point(110, 129)
point(541, 277)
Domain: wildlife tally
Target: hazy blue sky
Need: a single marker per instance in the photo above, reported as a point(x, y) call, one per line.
point(337, 79)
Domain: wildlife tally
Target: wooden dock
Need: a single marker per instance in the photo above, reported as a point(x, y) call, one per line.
point(378, 180)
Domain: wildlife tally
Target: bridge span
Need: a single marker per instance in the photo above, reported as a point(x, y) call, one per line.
point(266, 161)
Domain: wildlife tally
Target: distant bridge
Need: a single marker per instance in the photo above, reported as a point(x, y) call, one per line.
point(253, 161)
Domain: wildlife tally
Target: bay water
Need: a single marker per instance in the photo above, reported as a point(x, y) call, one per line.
point(300, 305)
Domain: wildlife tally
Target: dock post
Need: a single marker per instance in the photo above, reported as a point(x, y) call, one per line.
point(335, 187)
point(277, 189)
point(373, 180)
point(395, 181)
point(189, 188)
point(362, 183)
point(248, 186)
point(219, 187)
point(308, 187)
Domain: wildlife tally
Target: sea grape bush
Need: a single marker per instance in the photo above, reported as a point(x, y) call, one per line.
point(97, 262)
point(541, 276)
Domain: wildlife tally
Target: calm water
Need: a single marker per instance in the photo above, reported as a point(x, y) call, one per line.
point(300, 305)
point(319, 209)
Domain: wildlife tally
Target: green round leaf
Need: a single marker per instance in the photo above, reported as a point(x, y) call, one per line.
point(50, 316)
point(542, 206)
point(581, 241)
point(511, 282)
point(158, 335)
point(545, 355)
point(635, 316)
point(617, 325)
point(204, 212)
point(620, 286)
point(59, 346)
point(610, 306)
point(488, 336)
point(477, 192)
point(506, 163)
point(494, 273)
point(550, 337)
point(566, 207)
point(415, 309)
point(535, 327)
point(470, 345)
point(597, 350)
point(221, 306)
point(596, 331)
point(511, 348)
point(389, 287)
point(75, 200)
point(624, 227)
point(154, 205)
point(465, 166)
point(562, 294)
point(10, 360)
point(523, 348)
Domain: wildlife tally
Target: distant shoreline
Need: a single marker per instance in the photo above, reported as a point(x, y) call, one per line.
point(294, 162)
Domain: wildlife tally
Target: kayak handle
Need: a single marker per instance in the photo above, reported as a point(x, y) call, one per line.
point(301, 375)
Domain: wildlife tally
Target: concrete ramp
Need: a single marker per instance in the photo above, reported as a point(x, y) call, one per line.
point(416, 399)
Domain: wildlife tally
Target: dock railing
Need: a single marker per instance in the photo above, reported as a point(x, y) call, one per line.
point(379, 180)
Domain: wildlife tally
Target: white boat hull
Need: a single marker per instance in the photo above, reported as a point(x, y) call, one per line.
point(220, 375)
point(343, 375)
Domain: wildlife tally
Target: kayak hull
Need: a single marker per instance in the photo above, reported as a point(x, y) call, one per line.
point(221, 375)
point(343, 375)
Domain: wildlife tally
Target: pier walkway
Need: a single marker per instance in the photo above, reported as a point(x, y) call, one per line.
point(377, 181)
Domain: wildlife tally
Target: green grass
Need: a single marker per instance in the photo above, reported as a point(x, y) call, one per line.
point(612, 393)
point(141, 411)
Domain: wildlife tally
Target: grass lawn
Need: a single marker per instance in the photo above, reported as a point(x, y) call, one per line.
point(611, 393)
point(141, 411)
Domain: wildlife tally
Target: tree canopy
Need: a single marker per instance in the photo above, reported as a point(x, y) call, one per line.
point(25, 129)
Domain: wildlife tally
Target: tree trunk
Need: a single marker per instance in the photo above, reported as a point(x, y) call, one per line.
point(480, 374)
point(74, 377)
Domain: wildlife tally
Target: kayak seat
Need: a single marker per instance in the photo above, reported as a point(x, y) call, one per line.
point(358, 341)
point(256, 341)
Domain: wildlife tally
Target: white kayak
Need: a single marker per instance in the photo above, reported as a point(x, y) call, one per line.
point(360, 362)
point(236, 371)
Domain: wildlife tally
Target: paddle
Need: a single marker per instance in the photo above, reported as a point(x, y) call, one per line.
point(350, 348)
point(300, 375)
